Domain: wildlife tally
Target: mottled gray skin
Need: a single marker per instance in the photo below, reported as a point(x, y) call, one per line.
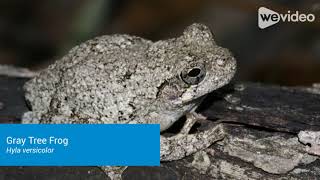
point(127, 79)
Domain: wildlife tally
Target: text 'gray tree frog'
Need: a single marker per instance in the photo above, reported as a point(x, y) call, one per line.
point(127, 79)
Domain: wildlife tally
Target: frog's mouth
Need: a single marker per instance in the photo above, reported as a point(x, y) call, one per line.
point(191, 96)
point(196, 101)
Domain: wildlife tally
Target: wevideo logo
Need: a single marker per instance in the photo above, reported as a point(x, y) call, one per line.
point(268, 17)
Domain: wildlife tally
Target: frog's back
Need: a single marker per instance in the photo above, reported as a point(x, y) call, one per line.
point(91, 74)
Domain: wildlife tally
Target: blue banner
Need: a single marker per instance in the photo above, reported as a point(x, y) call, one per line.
point(79, 145)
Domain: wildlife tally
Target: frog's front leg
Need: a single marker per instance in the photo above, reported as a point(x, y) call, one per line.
point(179, 146)
point(184, 144)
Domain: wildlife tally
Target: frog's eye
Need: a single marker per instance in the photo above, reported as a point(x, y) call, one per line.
point(193, 75)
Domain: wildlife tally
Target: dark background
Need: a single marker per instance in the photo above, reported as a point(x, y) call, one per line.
point(34, 33)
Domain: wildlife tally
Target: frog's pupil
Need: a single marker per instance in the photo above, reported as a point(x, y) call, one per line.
point(194, 72)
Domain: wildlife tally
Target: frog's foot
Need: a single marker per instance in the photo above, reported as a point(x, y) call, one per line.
point(184, 144)
point(113, 172)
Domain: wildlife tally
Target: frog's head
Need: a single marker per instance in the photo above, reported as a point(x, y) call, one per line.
point(200, 66)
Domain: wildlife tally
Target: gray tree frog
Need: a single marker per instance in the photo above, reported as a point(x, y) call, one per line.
point(127, 79)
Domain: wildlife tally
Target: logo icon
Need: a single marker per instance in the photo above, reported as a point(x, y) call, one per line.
point(268, 17)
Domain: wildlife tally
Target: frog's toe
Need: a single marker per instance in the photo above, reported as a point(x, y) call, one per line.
point(182, 145)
